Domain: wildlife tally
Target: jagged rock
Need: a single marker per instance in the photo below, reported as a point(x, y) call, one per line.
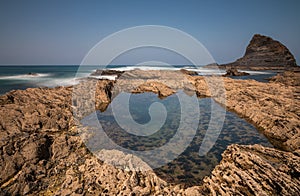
point(234, 72)
point(265, 53)
point(288, 78)
point(273, 107)
point(156, 87)
point(42, 152)
point(162, 82)
point(107, 72)
point(254, 170)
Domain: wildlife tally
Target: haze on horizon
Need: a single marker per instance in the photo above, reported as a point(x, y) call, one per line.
point(62, 32)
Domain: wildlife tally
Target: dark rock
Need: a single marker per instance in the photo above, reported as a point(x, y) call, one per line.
point(32, 74)
point(107, 72)
point(191, 73)
point(234, 72)
point(264, 52)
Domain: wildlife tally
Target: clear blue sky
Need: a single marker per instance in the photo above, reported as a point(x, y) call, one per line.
point(62, 32)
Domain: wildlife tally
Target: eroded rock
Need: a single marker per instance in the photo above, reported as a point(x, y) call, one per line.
point(234, 72)
point(254, 170)
point(42, 153)
point(264, 53)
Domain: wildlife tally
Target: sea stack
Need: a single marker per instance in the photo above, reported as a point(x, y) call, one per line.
point(265, 53)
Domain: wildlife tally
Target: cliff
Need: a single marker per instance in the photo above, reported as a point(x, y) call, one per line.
point(265, 53)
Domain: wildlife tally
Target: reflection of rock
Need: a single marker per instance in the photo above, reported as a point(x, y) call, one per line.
point(41, 152)
point(265, 53)
point(91, 94)
point(234, 72)
point(270, 106)
point(162, 82)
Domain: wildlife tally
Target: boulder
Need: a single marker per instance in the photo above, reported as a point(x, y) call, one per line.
point(108, 72)
point(191, 73)
point(234, 72)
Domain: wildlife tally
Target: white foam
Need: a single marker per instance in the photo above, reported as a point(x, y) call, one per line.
point(256, 72)
point(200, 70)
point(107, 77)
point(145, 68)
point(25, 76)
point(58, 82)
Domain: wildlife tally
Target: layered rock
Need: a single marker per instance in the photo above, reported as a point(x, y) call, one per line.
point(161, 82)
point(107, 72)
point(273, 107)
point(265, 53)
point(288, 78)
point(254, 170)
point(42, 152)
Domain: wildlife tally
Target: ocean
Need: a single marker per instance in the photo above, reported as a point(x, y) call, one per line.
point(15, 77)
point(188, 167)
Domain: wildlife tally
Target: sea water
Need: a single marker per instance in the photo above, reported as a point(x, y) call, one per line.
point(15, 77)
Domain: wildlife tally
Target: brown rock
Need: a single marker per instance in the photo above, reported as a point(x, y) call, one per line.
point(42, 153)
point(234, 72)
point(272, 107)
point(264, 52)
point(254, 170)
point(288, 78)
point(156, 87)
point(187, 72)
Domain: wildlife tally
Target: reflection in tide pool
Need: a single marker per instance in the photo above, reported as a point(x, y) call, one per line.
point(188, 168)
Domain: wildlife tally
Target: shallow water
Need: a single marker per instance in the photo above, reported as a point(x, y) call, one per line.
point(15, 77)
point(188, 167)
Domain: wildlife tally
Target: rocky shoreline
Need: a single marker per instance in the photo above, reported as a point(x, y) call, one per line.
point(42, 153)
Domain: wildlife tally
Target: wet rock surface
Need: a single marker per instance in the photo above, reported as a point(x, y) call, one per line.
point(42, 153)
point(108, 72)
point(272, 107)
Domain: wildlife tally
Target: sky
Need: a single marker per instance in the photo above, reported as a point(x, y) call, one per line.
point(35, 32)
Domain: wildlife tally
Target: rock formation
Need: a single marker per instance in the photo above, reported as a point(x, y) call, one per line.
point(234, 72)
point(188, 72)
point(264, 53)
point(288, 78)
point(107, 72)
point(41, 151)
point(273, 107)
point(244, 170)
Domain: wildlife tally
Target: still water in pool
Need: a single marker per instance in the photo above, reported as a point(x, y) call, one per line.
point(188, 168)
